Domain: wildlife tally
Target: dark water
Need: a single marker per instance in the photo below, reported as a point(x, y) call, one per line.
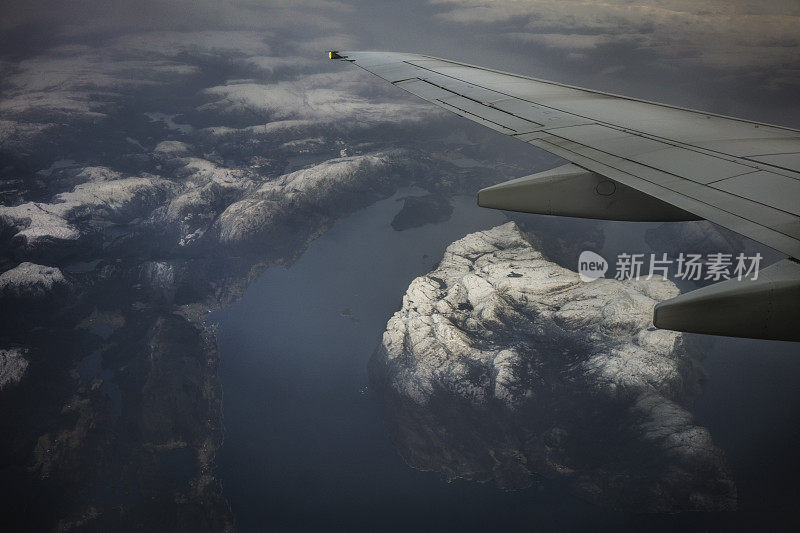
point(305, 447)
point(751, 405)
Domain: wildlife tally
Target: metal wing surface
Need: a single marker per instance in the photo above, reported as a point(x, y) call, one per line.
point(742, 175)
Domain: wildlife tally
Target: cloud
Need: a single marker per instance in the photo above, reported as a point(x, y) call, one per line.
point(268, 65)
point(570, 42)
point(316, 47)
point(211, 42)
point(82, 80)
point(322, 98)
point(101, 16)
point(615, 69)
point(730, 33)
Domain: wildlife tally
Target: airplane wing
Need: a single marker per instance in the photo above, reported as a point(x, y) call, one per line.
point(633, 160)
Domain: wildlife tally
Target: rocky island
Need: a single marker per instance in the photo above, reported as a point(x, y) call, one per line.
point(502, 365)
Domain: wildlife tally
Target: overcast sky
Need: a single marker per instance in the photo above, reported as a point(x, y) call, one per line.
point(735, 57)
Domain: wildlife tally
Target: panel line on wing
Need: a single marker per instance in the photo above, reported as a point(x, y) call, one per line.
point(714, 153)
point(503, 128)
point(513, 123)
point(523, 78)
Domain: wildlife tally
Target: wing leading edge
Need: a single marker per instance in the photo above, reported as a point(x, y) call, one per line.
point(632, 160)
